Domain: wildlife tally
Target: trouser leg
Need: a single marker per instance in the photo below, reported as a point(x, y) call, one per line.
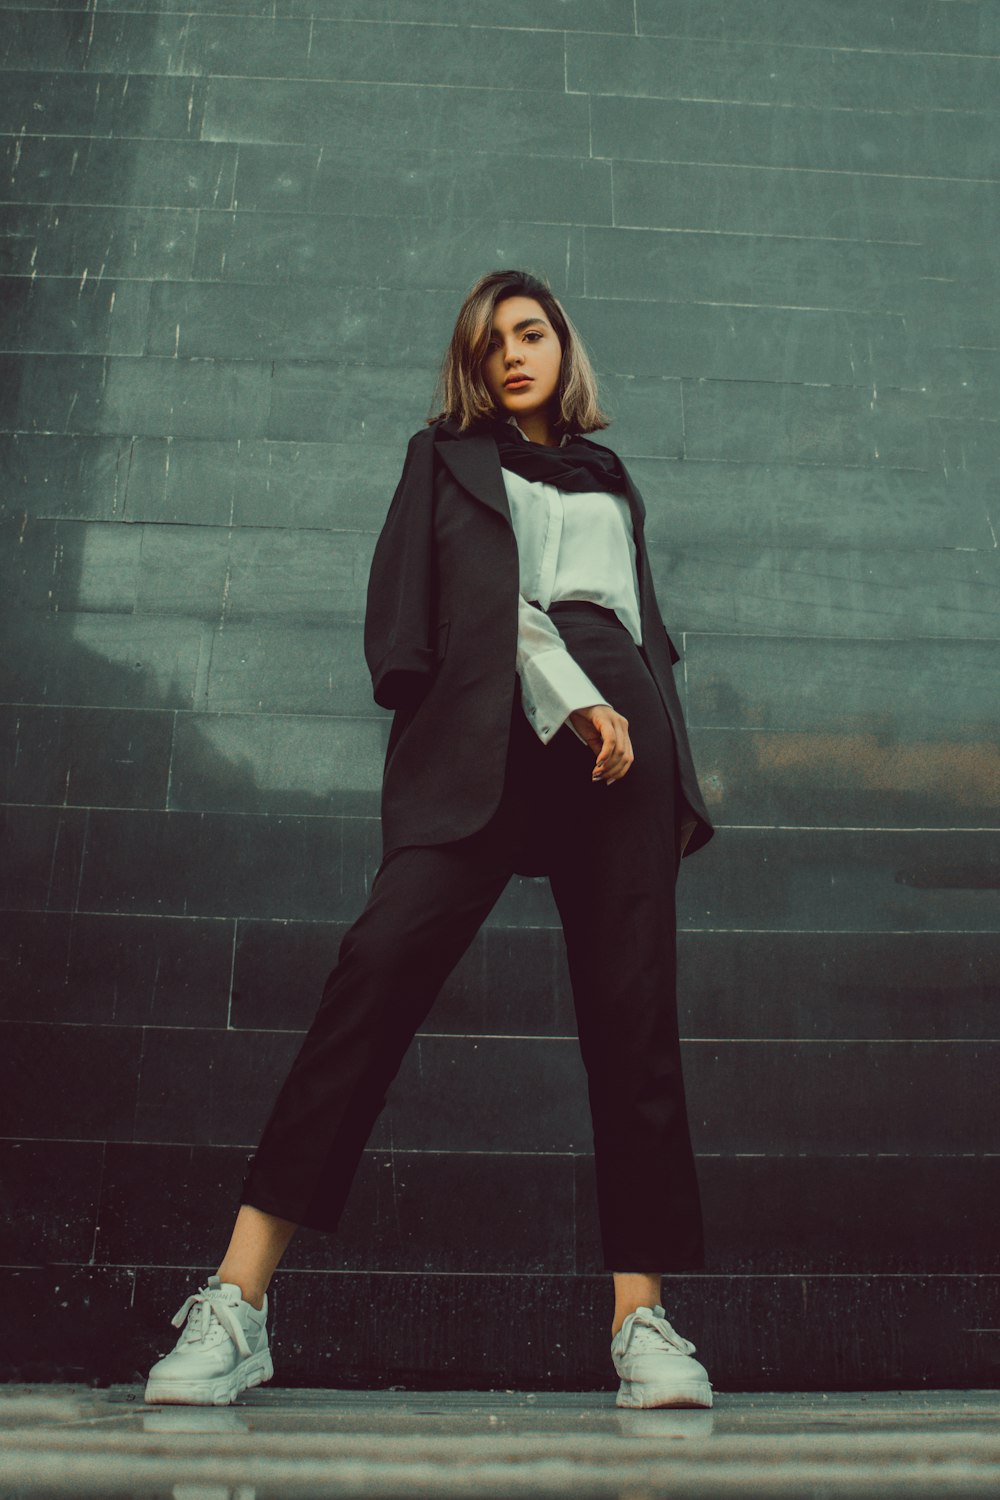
point(620, 943)
point(614, 885)
point(425, 907)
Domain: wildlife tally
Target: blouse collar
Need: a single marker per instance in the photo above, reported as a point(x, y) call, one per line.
point(514, 423)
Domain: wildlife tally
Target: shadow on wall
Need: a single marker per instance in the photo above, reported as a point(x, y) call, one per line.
point(144, 686)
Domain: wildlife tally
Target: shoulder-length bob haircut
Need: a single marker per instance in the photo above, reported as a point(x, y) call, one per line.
point(461, 389)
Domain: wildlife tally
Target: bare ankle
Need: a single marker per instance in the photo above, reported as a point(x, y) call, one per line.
point(248, 1291)
point(634, 1289)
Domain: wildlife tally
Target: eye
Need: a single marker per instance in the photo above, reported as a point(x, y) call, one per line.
point(534, 333)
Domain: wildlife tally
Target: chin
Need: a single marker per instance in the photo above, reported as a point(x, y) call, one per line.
point(512, 403)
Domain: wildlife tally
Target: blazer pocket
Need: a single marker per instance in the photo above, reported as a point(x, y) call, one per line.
point(441, 645)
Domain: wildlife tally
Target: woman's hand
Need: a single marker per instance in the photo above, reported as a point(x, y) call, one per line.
point(606, 732)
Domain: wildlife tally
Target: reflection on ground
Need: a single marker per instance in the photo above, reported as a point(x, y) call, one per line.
point(73, 1441)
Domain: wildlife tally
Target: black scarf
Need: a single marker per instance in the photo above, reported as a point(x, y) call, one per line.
point(577, 465)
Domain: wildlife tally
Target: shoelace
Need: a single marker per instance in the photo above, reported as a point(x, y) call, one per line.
point(205, 1307)
point(664, 1329)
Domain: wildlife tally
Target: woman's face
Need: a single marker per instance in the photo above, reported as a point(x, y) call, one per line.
point(524, 346)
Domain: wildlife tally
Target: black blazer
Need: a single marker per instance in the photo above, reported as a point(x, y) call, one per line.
point(440, 640)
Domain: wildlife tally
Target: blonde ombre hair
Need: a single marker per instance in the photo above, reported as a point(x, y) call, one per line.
point(461, 389)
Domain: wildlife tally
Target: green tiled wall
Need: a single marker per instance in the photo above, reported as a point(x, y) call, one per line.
point(236, 234)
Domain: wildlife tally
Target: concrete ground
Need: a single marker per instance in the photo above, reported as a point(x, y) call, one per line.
point(67, 1440)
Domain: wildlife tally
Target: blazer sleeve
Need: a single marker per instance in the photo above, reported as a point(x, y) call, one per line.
point(397, 633)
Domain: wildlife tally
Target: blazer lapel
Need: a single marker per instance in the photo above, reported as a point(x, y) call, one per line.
point(474, 461)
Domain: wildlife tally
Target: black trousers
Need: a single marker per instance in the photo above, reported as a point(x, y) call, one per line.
point(611, 854)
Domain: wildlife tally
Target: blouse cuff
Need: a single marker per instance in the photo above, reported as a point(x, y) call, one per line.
point(552, 687)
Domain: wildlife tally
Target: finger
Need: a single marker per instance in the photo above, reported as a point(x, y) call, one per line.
point(611, 758)
point(608, 743)
point(615, 757)
point(626, 758)
point(623, 742)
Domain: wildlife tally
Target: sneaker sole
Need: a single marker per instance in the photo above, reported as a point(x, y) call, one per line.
point(696, 1393)
point(222, 1391)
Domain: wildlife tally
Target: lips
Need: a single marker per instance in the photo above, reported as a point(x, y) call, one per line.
point(517, 380)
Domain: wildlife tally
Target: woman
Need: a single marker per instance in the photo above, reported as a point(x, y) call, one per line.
point(509, 596)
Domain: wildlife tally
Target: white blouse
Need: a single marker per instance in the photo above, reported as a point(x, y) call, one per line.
point(571, 545)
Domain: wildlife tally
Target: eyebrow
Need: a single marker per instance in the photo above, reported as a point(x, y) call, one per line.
point(524, 323)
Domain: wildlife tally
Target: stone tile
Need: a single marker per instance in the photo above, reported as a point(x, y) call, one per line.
point(850, 24)
point(336, 486)
point(66, 103)
point(816, 345)
point(777, 201)
point(118, 660)
point(884, 1215)
point(45, 847)
point(157, 174)
point(843, 879)
point(801, 505)
point(85, 757)
point(324, 401)
point(57, 1319)
point(213, 1088)
point(836, 591)
point(589, 15)
point(84, 968)
point(321, 765)
point(648, 414)
point(68, 565)
point(301, 179)
point(367, 52)
point(935, 143)
point(247, 248)
point(55, 1186)
point(871, 778)
point(253, 574)
point(374, 117)
point(54, 475)
point(192, 398)
point(143, 243)
point(48, 316)
point(277, 666)
point(227, 864)
point(899, 689)
point(770, 72)
point(892, 986)
point(772, 270)
point(51, 1078)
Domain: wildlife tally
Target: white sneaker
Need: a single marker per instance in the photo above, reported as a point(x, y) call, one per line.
point(222, 1351)
point(655, 1365)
